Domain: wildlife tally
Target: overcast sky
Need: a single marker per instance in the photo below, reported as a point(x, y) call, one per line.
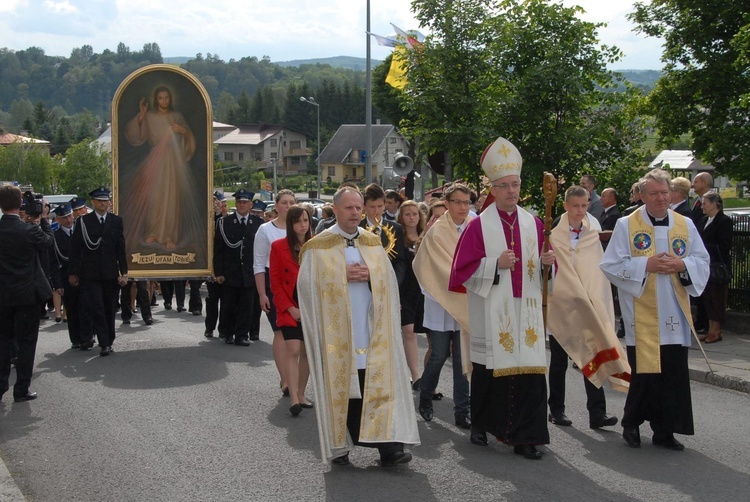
point(296, 29)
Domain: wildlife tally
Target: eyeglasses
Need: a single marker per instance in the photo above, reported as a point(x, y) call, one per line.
point(460, 202)
point(504, 186)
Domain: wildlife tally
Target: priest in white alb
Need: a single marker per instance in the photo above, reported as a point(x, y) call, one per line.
point(498, 263)
point(657, 260)
point(350, 314)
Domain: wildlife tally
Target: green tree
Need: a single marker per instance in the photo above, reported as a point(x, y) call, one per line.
point(85, 167)
point(29, 164)
point(705, 87)
point(530, 71)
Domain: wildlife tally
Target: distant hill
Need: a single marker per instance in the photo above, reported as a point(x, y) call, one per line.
point(645, 79)
point(177, 60)
point(348, 62)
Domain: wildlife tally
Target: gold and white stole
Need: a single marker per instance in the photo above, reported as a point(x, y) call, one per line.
point(646, 307)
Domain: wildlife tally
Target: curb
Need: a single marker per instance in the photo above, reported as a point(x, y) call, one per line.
point(9, 491)
point(726, 382)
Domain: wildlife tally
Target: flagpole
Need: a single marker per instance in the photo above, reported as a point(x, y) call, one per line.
point(368, 107)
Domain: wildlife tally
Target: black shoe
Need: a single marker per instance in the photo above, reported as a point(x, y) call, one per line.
point(478, 437)
point(415, 384)
point(229, 340)
point(29, 396)
point(208, 333)
point(58, 319)
point(126, 321)
point(148, 322)
point(87, 345)
point(560, 419)
point(307, 406)
point(395, 458)
point(75, 346)
point(196, 312)
point(632, 436)
point(438, 396)
point(295, 410)
point(223, 336)
point(167, 306)
point(180, 309)
point(254, 338)
point(602, 421)
point(242, 341)
point(425, 409)
point(667, 441)
point(342, 460)
point(463, 422)
point(285, 391)
point(528, 451)
point(105, 351)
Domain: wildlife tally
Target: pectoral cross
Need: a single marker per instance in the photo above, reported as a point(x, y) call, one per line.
point(672, 322)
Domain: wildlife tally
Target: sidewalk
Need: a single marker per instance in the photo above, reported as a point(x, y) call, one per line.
point(729, 358)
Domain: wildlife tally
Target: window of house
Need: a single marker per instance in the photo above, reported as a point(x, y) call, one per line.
point(228, 155)
point(331, 170)
point(259, 156)
point(240, 156)
point(274, 143)
point(294, 145)
point(294, 161)
point(274, 155)
point(392, 141)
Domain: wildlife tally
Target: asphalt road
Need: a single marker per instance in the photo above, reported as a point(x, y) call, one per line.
point(173, 416)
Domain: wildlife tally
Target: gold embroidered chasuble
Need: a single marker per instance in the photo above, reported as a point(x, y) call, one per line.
point(322, 287)
point(646, 317)
point(580, 312)
point(507, 333)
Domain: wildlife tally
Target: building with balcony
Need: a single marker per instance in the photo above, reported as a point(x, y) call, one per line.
point(264, 144)
point(344, 157)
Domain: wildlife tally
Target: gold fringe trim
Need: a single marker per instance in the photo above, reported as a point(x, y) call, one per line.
point(325, 240)
point(369, 239)
point(329, 240)
point(524, 370)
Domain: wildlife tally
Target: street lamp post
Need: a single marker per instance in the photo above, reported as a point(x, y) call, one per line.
point(312, 101)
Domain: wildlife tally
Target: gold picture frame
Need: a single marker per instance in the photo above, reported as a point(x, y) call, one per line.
point(162, 172)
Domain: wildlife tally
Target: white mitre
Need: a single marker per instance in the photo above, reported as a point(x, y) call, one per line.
point(501, 159)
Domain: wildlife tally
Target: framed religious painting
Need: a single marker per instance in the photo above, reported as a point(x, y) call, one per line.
point(162, 172)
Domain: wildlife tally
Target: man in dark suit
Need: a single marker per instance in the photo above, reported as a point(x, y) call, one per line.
point(702, 183)
point(611, 212)
point(391, 233)
point(679, 189)
point(98, 264)
point(233, 268)
point(213, 288)
point(63, 236)
point(22, 288)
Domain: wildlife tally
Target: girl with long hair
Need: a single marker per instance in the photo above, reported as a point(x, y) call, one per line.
point(267, 233)
point(284, 261)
